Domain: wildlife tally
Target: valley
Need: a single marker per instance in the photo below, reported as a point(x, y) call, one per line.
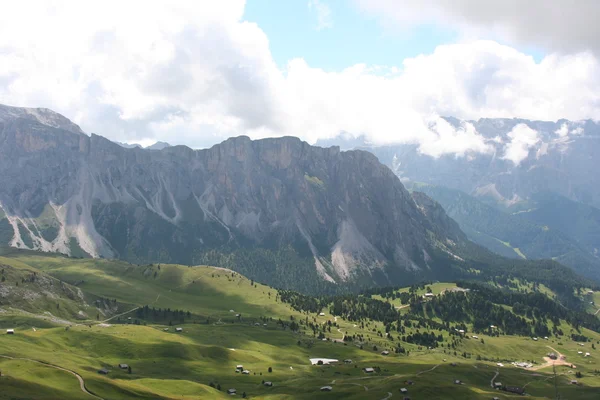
point(228, 320)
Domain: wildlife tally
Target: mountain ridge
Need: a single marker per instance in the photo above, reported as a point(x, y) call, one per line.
point(271, 199)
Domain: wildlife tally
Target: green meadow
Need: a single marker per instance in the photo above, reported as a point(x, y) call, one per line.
point(228, 320)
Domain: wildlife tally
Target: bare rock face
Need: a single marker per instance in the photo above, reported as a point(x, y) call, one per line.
point(275, 209)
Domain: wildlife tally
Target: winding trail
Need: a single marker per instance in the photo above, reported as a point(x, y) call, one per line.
point(428, 370)
point(389, 396)
point(119, 315)
point(494, 378)
point(127, 312)
point(79, 378)
point(356, 384)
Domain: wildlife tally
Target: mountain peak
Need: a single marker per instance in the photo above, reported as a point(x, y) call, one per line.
point(158, 146)
point(43, 116)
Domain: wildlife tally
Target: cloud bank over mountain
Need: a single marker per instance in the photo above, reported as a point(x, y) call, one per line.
point(196, 72)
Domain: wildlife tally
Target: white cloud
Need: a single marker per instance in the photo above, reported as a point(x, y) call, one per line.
point(446, 139)
point(564, 26)
point(194, 73)
point(324, 18)
point(522, 138)
point(563, 130)
point(577, 131)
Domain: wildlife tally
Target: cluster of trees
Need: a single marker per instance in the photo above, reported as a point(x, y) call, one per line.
point(301, 302)
point(474, 308)
point(428, 339)
point(535, 306)
point(148, 313)
point(360, 308)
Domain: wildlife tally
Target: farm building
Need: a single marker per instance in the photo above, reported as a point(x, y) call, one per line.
point(347, 361)
point(231, 392)
point(321, 314)
point(246, 372)
point(403, 390)
point(269, 384)
point(178, 329)
point(239, 367)
point(385, 353)
point(323, 361)
point(123, 366)
point(326, 389)
point(103, 371)
point(369, 370)
point(515, 389)
point(10, 331)
point(573, 382)
point(457, 382)
point(497, 385)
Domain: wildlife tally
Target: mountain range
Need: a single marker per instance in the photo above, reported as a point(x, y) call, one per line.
point(276, 209)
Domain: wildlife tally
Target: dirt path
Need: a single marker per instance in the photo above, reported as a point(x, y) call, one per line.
point(428, 370)
point(119, 315)
point(127, 312)
point(494, 378)
point(389, 396)
point(550, 362)
point(596, 313)
point(353, 384)
point(342, 339)
point(79, 378)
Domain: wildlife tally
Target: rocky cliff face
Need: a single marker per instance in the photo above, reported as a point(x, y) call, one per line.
point(241, 204)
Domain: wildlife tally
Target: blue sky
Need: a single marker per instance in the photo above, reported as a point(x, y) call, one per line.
point(354, 36)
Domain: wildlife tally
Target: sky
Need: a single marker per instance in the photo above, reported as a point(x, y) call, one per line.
point(197, 72)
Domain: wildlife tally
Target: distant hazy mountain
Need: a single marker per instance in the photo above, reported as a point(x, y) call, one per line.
point(558, 228)
point(276, 209)
point(155, 146)
point(128, 145)
point(158, 146)
point(562, 159)
point(555, 186)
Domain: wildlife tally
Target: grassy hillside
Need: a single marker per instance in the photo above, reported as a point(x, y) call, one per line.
point(268, 333)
